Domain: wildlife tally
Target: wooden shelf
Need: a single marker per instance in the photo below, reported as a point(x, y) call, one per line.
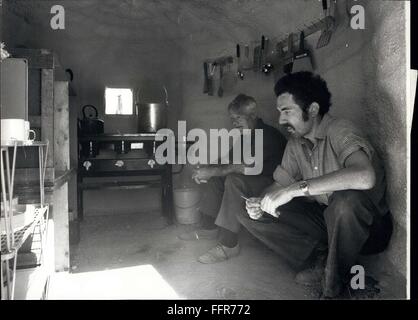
point(127, 185)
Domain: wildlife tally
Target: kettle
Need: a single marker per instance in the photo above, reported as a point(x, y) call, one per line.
point(91, 125)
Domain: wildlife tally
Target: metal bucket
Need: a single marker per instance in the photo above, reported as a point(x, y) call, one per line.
point(186, 204)
point(151, 116)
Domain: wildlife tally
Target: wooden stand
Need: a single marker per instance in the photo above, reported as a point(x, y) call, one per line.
point(119, 165)
point(49, 117)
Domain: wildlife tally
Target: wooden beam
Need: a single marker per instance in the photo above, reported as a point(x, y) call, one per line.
point(37, 58)
point(61, 126)
point(61, 228)
point(31, 175)
point(47, 112)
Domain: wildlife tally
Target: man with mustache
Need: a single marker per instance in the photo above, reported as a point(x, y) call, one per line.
point(327, 203)
point(223, 185)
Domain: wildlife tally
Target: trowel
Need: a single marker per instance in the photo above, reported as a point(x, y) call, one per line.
point(240, 74)
point(287, 68)
point(325, 36)
point(302, 59)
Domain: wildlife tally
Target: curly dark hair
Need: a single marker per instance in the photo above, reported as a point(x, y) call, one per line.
point(306, 88)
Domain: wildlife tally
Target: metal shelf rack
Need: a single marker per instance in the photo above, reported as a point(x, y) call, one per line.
point(11, 241)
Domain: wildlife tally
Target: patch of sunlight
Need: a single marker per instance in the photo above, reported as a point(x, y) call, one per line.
point(139, 282)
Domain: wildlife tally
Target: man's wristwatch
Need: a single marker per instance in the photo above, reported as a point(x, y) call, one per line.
point(304, 187)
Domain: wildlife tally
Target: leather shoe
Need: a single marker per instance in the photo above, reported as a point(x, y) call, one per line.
point(219, 253)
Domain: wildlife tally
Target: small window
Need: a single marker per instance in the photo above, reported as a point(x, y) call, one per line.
point(119, 101)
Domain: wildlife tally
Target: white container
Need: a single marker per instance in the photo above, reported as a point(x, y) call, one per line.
point(13, 129)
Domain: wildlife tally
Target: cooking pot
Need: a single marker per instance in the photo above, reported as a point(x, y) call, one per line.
point(151, 116)
point(91, 125)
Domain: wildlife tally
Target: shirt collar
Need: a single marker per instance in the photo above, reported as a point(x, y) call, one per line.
point(321, 131)
point(323, 126)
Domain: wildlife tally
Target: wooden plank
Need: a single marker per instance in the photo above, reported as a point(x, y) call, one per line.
point(33, 197)
point(37, 58)
point(120, 185)
point(61, 126)
point(62, 177)
point(31, 175)
point(47, 112)
point(61, 229)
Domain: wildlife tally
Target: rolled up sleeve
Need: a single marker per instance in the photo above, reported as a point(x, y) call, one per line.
point(347, 139)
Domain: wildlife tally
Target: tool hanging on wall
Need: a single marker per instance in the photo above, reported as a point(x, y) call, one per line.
point(208, 78)
point(289, 55)
point(271, 57)
point(278, 62)
point(326, 33)
point(302, 59)
point(221, 75)
point(209, 68)
point(262, 52)
point(256, 57)
point(239, 70)
point(247, 65)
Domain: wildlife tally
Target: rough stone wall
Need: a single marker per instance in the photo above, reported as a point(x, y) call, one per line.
point(385, 77)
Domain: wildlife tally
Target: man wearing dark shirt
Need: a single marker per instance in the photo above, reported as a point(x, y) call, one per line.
point(328, 195)
point(225, 185)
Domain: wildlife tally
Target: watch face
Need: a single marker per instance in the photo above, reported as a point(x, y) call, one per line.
point(303, 186)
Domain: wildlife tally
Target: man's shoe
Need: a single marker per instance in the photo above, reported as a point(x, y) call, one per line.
point(206, 234)
point(314, 274)
point(219, 253)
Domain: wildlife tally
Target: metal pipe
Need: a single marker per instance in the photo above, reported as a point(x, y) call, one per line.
point(9, 186)
point(40, 151)
point(12, 188)
point(6, 214)
point(14, 276)
point(6, 211)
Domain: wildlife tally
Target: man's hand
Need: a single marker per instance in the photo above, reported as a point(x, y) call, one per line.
point(202, 175)
point(274, 199)
point(253, 207)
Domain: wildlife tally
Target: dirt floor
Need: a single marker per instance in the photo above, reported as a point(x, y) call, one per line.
point(124, 241)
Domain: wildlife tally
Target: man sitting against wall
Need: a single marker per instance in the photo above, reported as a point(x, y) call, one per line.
point(223, 184)
point(328, 195)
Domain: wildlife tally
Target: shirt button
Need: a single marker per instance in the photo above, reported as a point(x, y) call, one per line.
point(316, 168)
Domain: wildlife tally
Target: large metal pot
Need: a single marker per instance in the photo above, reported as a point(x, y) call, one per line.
point(151, 116)
point(91, 125)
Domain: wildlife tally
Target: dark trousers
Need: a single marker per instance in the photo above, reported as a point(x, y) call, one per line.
point(350, 225)
point(222, 197)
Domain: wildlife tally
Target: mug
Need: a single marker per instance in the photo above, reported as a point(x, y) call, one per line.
point(13, 129)
point(28, 131)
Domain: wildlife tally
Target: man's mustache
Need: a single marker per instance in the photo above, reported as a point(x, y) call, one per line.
point(288, 126)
